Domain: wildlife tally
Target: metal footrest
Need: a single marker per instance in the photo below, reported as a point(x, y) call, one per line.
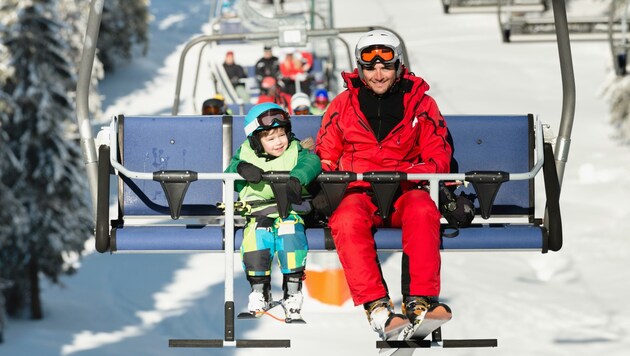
point(406, 344)
point(202, 343)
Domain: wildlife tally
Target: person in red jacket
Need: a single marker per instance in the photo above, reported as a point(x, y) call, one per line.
point(270, 92)
point(385, 121)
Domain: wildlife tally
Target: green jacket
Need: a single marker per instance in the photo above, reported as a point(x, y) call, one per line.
point(302, 164)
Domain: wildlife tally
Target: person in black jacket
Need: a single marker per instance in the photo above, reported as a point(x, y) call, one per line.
point(235, 72)
point(267, 66)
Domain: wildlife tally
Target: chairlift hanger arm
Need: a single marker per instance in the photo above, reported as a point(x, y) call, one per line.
point(568, 86)
point(86, 64)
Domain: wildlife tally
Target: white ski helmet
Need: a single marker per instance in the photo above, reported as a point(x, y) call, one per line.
point(380, 38)
point(300, 100)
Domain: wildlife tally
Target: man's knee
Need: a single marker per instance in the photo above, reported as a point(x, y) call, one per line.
point(349, 219)
point(418, 204)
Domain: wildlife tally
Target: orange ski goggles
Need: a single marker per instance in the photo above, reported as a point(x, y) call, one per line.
point(371, 54)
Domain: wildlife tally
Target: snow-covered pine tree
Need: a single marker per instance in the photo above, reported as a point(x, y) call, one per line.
point(39, 164)
point(124, 27)
point(6, 196)
point(13, 215)
point(617, 92)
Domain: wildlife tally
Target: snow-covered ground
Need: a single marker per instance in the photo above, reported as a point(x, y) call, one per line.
point(566, 303)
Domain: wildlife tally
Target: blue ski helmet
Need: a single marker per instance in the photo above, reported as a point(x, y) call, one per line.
point(321, 94)
point(262, 117)
point(266, 116)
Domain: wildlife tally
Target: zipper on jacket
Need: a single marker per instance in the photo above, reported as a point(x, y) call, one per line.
point(393, 133)
point(367, 128)
point(380, 121)
point(397, 129)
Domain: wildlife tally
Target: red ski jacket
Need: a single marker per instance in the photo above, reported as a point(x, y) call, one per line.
point(417, 144)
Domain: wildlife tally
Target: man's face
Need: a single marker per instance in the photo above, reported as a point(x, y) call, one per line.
point(380, 78)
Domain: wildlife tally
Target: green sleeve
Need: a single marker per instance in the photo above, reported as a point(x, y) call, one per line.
point(308, 166)
point(236, 159)
point(231, 168)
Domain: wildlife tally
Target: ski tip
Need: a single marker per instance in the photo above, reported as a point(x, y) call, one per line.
point(439, 311)
point(257, 315)
point(247, 315)
point(295, 321)
point(395, 325)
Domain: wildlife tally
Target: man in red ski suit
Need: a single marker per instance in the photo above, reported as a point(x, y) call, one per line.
point(385, 121)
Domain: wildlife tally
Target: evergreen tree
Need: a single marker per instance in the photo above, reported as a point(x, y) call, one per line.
point(618, 94)
point(41, 170)
point(7, 198)
point(124, 27)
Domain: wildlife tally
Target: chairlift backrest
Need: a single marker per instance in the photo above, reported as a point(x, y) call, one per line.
point(488, 143)
point(151, 144)
point(497, 143)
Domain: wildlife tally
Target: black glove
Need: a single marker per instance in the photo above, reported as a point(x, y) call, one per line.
point(459, 211)
point(320, 203)
point(251, 173)
point(294, 191)
point(465, 211)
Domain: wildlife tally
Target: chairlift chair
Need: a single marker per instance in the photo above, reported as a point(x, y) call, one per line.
point(618, 36)
point(527, 26)
point(224, 32)
point(188, 205)
point(490, 6)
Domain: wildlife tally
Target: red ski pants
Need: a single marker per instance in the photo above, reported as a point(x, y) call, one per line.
point(351, 225)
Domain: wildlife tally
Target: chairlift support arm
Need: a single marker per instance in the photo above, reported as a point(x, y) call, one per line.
point(88, 147)
point(568, 87)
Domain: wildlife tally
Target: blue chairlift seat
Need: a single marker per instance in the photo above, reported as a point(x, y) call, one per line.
point(237, 109)
point(481, 143)
point(151, 144)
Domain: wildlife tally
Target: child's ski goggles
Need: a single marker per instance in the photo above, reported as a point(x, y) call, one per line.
point(273, 117)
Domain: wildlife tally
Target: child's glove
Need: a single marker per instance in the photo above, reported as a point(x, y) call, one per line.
point(294, 191)
point(251, 173)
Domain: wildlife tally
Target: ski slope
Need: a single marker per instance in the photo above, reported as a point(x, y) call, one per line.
point(565, 303)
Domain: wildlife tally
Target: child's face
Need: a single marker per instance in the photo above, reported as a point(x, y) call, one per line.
point(274, 141)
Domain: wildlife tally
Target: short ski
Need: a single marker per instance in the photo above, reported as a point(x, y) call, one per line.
point(421, 328)
point(295, 321)
point(396, 325)
point(273, 304)
point(424, 326)
point(252, 315)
